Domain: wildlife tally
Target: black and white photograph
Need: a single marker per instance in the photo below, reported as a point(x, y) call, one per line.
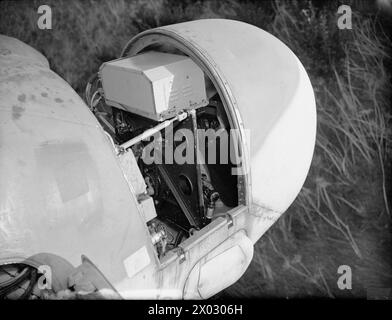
point(214, 151)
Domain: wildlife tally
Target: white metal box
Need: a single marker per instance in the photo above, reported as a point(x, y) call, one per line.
point(155, 85)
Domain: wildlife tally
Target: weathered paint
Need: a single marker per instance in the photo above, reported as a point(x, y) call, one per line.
point(62, 189)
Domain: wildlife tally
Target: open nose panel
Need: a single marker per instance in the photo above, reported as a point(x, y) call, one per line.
point(268, 97)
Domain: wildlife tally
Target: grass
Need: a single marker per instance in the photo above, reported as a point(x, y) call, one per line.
point(343, 214)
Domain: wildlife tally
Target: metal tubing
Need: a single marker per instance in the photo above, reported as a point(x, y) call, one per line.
point(126, 145)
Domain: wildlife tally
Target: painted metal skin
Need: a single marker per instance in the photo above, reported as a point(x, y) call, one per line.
point(268, 93)
point(63, 190)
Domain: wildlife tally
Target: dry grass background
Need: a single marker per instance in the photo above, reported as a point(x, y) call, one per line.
point(343, 213)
